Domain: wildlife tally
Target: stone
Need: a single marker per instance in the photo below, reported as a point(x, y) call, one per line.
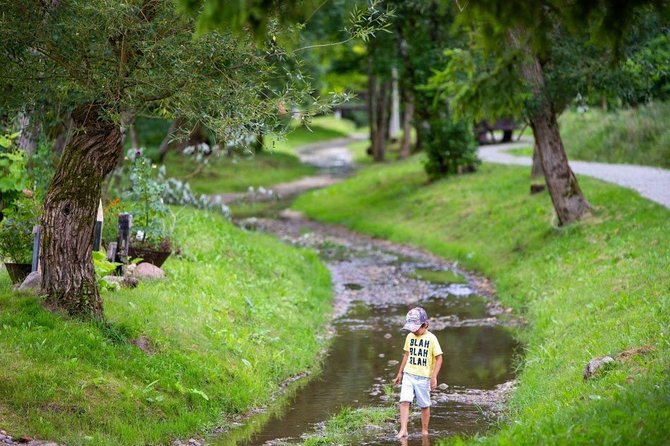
point(32, 284)
point(443, 386)
point(148, 271)
point(193, 442)
point(388, 336)
point(595, 364)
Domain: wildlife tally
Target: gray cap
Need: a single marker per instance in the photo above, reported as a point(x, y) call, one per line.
point(415, 318)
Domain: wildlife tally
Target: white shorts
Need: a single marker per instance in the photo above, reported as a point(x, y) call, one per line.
point(415, 386)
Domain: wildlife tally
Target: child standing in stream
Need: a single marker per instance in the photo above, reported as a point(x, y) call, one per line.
point(418, 369)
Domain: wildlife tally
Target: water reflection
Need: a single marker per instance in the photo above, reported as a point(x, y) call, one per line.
point(365, 354)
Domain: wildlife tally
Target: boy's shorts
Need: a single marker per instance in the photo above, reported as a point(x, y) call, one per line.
point(415, 386)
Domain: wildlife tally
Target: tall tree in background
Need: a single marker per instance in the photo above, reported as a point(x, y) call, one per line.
point(99, 60)
point(527, 28)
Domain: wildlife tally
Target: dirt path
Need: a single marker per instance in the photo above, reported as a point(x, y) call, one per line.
point(331, 157)
point(651, 182)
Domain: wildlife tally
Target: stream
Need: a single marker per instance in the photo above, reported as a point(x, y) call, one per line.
point(376, 282)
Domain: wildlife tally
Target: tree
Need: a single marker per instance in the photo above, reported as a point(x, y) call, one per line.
point(528, 30)
point(100, 59)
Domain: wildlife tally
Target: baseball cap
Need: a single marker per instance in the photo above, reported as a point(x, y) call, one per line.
point(415, 318)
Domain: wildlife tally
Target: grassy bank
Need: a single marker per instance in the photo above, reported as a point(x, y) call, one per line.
point(276, 164)
point(239, 314)
point(629, 136)
point(594, 288)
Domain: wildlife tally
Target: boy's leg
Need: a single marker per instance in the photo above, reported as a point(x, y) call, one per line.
point(425, 419)
point(404, 418)
point(406, 397)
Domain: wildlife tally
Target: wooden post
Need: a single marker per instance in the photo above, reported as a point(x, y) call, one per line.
point(123, 241)
point(97, 231)
point(37, 230)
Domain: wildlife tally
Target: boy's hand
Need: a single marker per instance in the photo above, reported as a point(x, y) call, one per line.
point(433, 383)
point(397, 379)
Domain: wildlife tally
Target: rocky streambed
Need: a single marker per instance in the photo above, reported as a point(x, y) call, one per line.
point(376, 282)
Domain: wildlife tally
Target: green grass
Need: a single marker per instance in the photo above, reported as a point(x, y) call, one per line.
point(239, 314)
point(594, 288)
point(350, 426)
point(237, 175)
point(631, 136)
point(521, 151)
point(276, 164)
point(443, 277)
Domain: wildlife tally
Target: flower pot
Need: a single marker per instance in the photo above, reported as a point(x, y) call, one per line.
point(153, 256)
point(18, 271)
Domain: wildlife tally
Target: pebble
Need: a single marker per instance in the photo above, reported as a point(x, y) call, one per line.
point(388, 336)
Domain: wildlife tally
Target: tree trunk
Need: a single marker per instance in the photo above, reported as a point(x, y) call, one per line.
point(166, 144)
point(569, 202)
point(372, 109)
point(29, 128)
point(536, 171)
point(380, 103)
point(405, 148)
point(567, 197)
point(68, 218)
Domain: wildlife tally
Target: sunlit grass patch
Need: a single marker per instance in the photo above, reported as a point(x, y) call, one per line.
point(240, 313)
point(352, 426)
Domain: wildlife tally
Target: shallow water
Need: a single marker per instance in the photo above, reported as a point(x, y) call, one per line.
point(379, 287)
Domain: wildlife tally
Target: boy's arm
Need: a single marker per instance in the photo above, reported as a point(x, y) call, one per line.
point(436, 371)
point(398, 377)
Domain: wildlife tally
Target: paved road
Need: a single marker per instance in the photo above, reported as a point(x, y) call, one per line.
point(651, 182)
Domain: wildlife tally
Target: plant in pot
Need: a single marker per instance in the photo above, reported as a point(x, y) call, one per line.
point(151, 239)
point(16, 236)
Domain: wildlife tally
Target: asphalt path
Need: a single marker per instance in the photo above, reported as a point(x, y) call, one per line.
point(652, 183)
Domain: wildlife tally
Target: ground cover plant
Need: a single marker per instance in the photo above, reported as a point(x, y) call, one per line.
point(630, 136)
point(240, 313)
point(592, 288)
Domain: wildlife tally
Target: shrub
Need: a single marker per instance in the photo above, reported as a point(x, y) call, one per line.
point(16, 230)
point(451, 150)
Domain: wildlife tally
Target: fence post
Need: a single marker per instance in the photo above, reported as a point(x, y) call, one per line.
point(123, 242)
point(37, 231)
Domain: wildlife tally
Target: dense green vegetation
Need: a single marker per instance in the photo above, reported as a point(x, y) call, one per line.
point(239, 314)
point(632, 136)
point(594, 288)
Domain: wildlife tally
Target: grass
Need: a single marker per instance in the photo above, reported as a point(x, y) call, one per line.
point(631, 136)
point(277, 164)
point(598, 287)
point(349, 426)
point(240, 313)
point(443, 277)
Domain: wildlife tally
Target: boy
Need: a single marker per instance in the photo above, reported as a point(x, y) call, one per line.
point(418, 369)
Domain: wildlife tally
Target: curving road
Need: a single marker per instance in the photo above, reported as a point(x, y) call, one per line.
point(651, 182)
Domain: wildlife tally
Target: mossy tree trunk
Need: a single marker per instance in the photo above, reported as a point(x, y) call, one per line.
point(68, 218)
point(567, 197)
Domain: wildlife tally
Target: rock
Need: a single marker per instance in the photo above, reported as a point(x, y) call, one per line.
point(388, 336)
point(148, 271)
point(32, 283)
point(595, 364)
point(193, 442)
point(443, 386)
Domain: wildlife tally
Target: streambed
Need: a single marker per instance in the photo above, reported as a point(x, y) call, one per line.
point(376, 283)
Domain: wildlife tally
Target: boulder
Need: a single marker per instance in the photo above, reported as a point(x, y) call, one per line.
point(148, 271)
point(595, 364)
point(32, 283)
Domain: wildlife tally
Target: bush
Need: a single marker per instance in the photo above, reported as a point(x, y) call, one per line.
point(451, 149)
point(16, 230)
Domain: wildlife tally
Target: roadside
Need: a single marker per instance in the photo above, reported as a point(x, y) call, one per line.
point(651, 182)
